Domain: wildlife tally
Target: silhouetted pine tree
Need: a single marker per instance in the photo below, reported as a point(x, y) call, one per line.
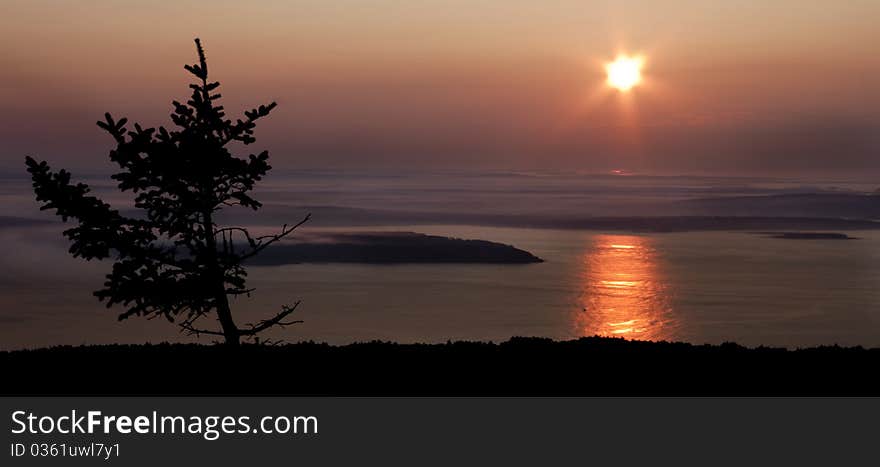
point(173, 260)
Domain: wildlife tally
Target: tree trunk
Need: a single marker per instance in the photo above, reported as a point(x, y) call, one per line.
point(224, 314)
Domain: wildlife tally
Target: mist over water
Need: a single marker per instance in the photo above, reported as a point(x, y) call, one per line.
point(691, 286)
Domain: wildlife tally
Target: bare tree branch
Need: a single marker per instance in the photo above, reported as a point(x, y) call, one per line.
point(186, 326)
point(240, 291)
point(266, 240)
point(277, 320)
point(247, 235)
point(191, 331)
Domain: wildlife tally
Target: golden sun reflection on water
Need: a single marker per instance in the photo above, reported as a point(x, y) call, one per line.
point(624, 292)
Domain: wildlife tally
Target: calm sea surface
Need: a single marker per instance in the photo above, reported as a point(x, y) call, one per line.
point(694, 286)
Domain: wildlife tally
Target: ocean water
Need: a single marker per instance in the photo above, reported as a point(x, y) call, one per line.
point(689, 286)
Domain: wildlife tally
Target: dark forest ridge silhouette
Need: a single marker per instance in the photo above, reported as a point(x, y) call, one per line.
point(589, 366)
point(175, 261)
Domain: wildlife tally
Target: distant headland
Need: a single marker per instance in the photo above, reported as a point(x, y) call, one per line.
point(391, 248)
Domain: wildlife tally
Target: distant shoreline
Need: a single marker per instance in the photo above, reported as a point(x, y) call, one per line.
point(328, 216)
point(344, 217)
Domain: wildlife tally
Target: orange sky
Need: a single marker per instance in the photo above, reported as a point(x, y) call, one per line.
point(730, 86)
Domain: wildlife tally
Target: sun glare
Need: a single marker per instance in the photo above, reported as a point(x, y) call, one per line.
point(624, 72)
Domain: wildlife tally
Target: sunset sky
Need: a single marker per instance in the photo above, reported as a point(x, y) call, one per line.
point(781, 87)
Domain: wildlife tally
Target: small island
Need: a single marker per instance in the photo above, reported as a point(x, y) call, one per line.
point(809, 235)
point(390, 248)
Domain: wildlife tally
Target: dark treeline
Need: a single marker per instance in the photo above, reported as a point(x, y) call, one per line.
point(521, 366)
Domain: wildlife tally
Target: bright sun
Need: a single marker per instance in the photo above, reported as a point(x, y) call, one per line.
point(624, 72)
